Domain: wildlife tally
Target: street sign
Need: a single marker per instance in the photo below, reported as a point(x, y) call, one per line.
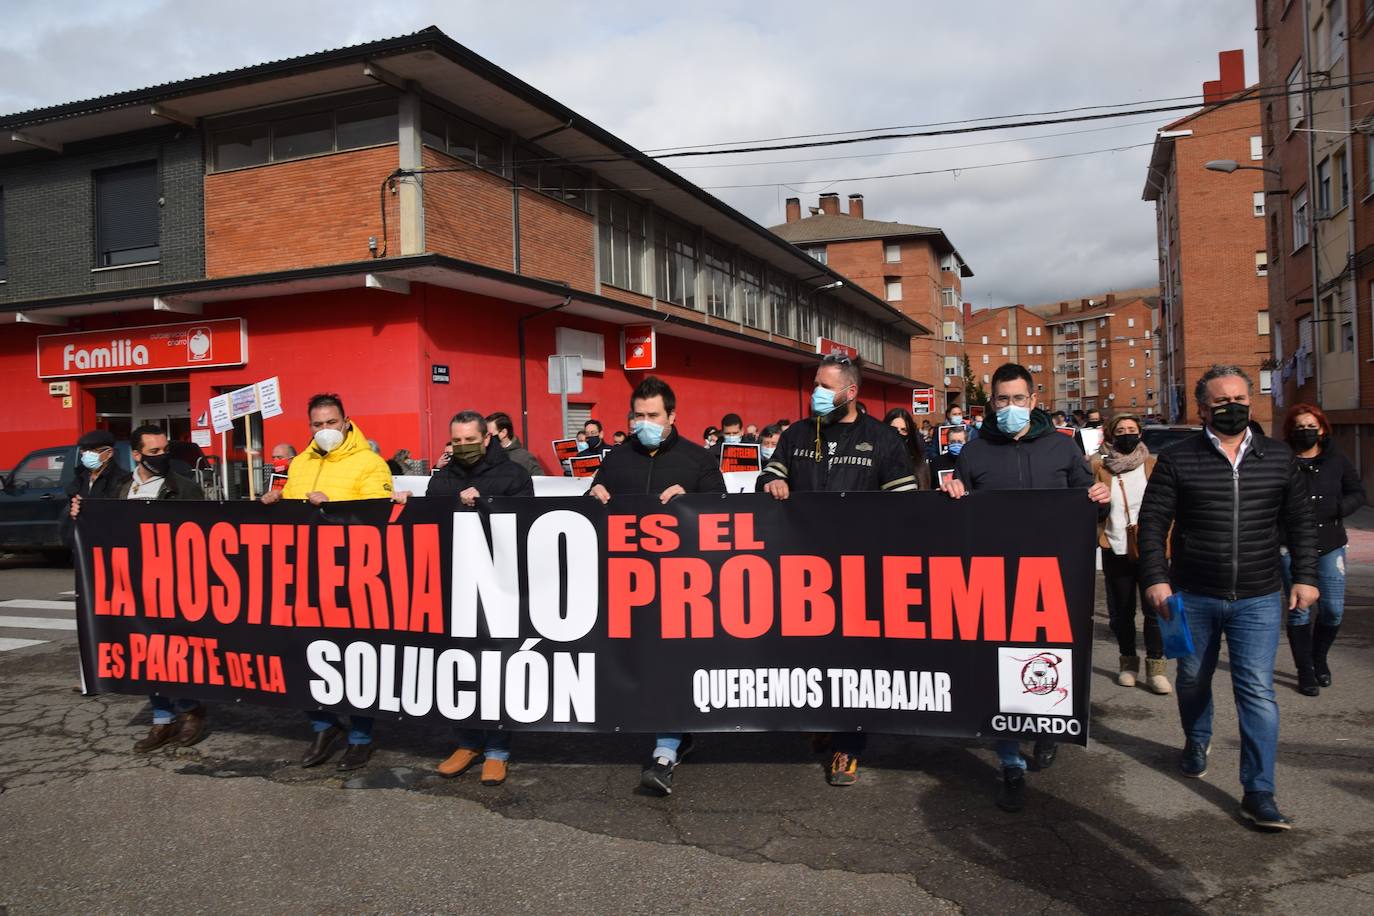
point(565, 375)
point(638, 347)
point(438, 374)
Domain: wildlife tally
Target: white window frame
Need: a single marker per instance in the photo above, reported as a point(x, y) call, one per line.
point(1258, 203)
point(1256, 149)
point(893, 290)
point(892, 252)
point(1261, 263)
point(1300, 217)
point(1262, 322)
point(1295, 96)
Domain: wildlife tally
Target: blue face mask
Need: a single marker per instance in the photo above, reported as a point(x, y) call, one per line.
point(822, 401)
point(581, 446)
point(733, 440)
point(1012, 419)
point(90, 460)
point(766, 452)
point(650, 434)
point(956, 447)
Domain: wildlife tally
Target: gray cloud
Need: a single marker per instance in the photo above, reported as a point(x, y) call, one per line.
point(708, 72)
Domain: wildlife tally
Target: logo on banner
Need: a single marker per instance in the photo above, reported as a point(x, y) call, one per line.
point(1035, 682)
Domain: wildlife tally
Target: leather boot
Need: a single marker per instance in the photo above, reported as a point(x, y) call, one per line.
point(157, 736)
point(1300, 641)
point(1130, 667)
point(1157, 676)
point(1323, 635)
point(191, 727)
point(322, 746)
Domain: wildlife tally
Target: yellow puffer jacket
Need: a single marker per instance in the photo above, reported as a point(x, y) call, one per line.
point(351, 471)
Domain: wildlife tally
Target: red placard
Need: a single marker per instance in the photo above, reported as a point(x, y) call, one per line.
point(638, 347)
point(585, 467)
point(744, 456)
point(148, 348)
point(977, 410)
point(827, 347)
point(565, 449)
point(922, 401)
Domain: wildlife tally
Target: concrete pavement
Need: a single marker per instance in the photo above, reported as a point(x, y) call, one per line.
point(232, 823)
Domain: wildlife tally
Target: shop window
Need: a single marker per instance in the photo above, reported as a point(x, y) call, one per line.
point(126, 215)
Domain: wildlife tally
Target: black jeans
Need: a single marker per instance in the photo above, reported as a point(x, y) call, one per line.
point(1122, 577)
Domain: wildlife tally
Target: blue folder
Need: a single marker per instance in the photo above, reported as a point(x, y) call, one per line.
point(1178, 639)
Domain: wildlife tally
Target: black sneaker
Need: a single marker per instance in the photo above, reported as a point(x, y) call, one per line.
point(1012, 798)
point(1042, 758)
point(1260, 810)
point(657, 777)
point(1193, 761)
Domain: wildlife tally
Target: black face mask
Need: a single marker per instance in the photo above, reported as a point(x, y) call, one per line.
point(1303, 439)
point(158, 465)
point(1094, 424)
point(1231, 419)
point(1127, 442)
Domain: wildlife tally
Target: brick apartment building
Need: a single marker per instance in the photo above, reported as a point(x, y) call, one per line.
point(1213, 262)
point(1106, 354)
point(399, 222)
point(1009, 334)
point(915, 268)
point(1318, 148)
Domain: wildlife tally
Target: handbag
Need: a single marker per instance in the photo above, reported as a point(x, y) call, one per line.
point(1132, 530)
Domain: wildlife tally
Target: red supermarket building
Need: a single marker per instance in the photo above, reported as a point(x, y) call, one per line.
point(401, 222)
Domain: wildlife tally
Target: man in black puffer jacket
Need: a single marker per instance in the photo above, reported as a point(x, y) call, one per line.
point(1227, 492)
point(480, 467)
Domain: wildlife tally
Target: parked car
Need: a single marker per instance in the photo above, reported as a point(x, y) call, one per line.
point(34, 493)
point(1159, 438)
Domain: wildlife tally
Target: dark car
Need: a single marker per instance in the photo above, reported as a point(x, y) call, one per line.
point(1159, 438)
point(33, 496)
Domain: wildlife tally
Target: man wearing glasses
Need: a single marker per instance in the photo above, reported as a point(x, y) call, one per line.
point(1021, 451)
point(838, 449)
point(1229, 492)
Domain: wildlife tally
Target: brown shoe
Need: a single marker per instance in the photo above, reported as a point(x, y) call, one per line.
point(493, 772)
point(191, 727)
point(322, 746)
point(158, 735)
point(356, 757)
point(458, 762)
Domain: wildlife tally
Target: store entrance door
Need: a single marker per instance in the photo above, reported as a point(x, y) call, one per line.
point(123, 408)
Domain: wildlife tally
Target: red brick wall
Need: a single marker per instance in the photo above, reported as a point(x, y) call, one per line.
point(557, 242)
point(468, 214)
point(298, 214)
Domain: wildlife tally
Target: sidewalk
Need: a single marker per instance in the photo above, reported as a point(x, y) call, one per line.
point(1360, 529)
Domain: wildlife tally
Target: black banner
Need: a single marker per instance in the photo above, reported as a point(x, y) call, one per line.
point(903, 613)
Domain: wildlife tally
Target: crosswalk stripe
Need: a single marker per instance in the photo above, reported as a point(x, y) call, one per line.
point(36, 623)
point(8, 644)
point(39, 604)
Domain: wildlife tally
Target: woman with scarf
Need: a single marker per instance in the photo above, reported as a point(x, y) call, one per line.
point(900, 419)
point(1336, 492)
point(1124, 465)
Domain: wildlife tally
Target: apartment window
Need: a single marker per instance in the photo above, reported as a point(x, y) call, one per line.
point(1262, 317)
point(893, 289)
point(1300, 219)
point(4, 259)
point(1324, 188)
point(1101, 322)
point(127, 215)
point(985, 340)
point(1004, 334)
point(1256, 149)
point(818, 252)
point(987, 379)
point(1004, 351)
point(1132, 362)
point(1261, 263)
point(892, 252)
point(780, 297)
point(622, 242)
point(1266, 381)
point(1341, 176)
point(951, 366)
point(986, 359)
point(1148, 373)
point(948, 297)
point(241, 146)
point(1130, 322)
point(677, 264)
point(1147, 354)
point(1335, 31)
point(373, 124)
point(1104, 364)
point(1347, 328)
point(1038, 329)
point(314, 133)
point(1294, 96)
point(720, 299)
point(1259, 203)
point(1130, 342)
point(751, 292)
point(951, 330)
point(306, 135)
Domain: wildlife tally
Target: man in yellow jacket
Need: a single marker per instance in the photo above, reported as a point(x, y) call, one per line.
point(339, 465)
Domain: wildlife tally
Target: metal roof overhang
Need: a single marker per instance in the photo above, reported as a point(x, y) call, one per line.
point(433, 269)
point(446, 69)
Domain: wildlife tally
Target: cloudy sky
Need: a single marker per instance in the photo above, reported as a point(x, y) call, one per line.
point(669, 75)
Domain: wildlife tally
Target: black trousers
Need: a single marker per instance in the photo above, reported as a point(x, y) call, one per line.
point(1122, 577)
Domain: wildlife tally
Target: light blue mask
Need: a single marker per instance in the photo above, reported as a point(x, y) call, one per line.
point(956, 447)
point(822, 401)
point(733, 440)
point(766, 452)
point(650, 434)
point(581, 446)
point(90, 460)
point(1012, 419)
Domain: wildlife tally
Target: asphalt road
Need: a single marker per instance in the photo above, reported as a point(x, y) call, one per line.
point(232, 824)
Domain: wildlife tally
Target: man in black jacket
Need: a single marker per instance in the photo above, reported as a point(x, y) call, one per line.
point(176, 721)
point(1021, 451)
point(98, 476)
point(656, 460)
point(502, 431)
point(838, 449)
point(1227, 492)
point(480, 467)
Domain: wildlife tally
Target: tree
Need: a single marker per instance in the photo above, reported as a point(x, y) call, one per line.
point(974, 393)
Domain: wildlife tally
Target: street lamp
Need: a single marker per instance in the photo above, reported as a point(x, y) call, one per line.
point(1230, 165)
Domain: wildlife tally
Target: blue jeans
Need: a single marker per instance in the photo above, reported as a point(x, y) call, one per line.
point(1009, 754)
point(359, 727)
point(666, 746)
point(165, 708)
point(1251, 627)
point(493, 743)
point(1331, 583)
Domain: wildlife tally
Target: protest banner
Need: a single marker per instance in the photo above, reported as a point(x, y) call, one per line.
point(906, 613)
point(586, 466)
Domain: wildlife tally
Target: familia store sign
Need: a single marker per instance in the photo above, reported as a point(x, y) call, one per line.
point(150, 348)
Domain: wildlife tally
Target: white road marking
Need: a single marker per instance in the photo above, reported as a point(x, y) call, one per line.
point(36, 623)
point(8, 644)
point(38, 604)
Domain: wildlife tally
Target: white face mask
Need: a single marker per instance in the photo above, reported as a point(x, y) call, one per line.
point(329, 439)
